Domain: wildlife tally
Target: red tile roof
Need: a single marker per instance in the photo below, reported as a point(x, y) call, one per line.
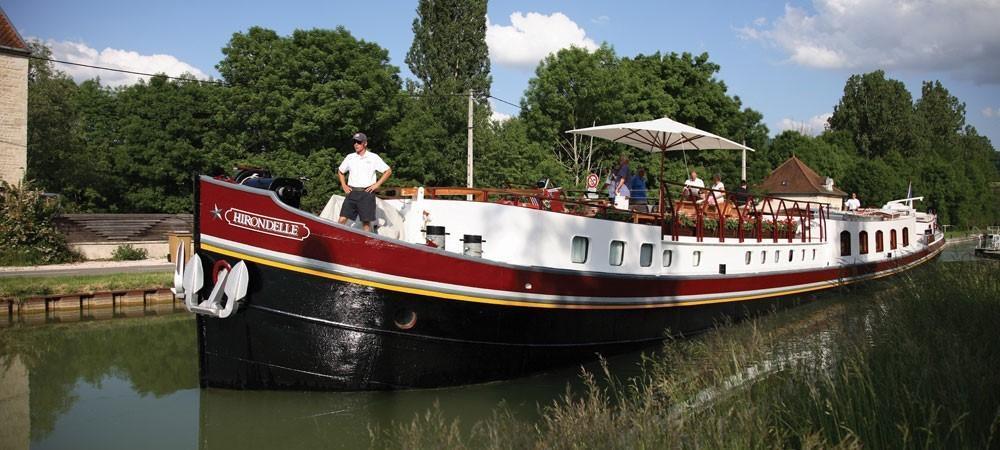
point(10, 40)
point(795, 177)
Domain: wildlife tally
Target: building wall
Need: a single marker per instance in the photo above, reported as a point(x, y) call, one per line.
point(13, 117)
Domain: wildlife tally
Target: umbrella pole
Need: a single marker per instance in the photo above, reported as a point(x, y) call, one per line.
point(660, 206)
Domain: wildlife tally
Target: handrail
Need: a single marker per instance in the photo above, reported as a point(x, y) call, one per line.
point(758, 215)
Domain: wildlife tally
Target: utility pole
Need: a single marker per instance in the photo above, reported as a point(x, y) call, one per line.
point(743, 164)
point(468, 177)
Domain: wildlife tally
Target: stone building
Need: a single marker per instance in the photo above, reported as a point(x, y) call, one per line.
point(13, 102)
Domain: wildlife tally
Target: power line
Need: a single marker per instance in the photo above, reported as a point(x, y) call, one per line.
point(504, 101)
point(219, 82)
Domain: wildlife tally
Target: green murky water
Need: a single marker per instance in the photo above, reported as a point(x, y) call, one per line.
point(133, 383)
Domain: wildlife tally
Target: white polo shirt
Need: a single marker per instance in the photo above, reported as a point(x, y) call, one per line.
point(361, 169)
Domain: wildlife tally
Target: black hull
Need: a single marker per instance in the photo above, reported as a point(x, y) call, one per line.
point(304, 332)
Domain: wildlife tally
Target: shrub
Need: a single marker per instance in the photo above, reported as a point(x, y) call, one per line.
point(27, 234)
point(126, 252)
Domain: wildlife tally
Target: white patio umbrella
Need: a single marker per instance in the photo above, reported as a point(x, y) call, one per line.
point(661, 135)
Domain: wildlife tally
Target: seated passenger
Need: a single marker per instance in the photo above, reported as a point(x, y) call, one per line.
point(718, 194)
point(692, 188)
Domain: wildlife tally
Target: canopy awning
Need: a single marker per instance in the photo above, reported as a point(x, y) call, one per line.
point(661, 135)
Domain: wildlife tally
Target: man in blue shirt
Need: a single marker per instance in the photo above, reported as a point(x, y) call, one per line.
point(638, 187)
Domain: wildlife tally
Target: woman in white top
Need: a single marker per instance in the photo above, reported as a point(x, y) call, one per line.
point(718, 194)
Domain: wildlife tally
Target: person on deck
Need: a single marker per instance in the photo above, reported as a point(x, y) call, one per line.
point(718, 194)
point(361, 184)
point(742, 194)
point(693, 187)
point(638, 188)
point(853, 203)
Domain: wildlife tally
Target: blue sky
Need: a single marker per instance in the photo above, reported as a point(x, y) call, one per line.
point(786, 60)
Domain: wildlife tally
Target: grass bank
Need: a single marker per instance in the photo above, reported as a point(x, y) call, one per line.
point(908, 362)
point(21, 287)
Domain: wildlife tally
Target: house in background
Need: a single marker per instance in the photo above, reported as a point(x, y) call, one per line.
point(13, 102)
point(794, 180)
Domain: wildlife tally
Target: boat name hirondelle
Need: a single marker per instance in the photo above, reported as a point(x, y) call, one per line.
point(267, 225)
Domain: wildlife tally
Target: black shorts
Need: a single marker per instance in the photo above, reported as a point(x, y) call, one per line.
point(359, 203)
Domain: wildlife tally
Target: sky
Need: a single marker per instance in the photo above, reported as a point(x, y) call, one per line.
point(788, 60)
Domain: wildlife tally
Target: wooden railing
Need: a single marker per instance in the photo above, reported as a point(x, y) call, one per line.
point(751, 217)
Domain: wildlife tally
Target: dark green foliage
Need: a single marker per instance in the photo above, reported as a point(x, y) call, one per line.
point(879, 114)
point(126, 252)
point(27, 235)
point(449, 46)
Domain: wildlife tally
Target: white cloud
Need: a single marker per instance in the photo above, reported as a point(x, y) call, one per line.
point(601, 20)
point(78, 52)
point(990, 112)
point(812, 126)
point(498, 116)
point(531, 37)
point(957, 36)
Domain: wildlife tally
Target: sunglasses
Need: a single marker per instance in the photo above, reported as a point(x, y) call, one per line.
point(359, 142)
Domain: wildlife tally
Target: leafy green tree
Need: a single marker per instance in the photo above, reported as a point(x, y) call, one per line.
point(306, 92)
point(449, 52)
point(54, 145)
point(940, 114)
point(450, 58)
point(506, 157)
point(879, 114)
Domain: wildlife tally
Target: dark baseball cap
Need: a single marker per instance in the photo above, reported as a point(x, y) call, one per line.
point(360, 137)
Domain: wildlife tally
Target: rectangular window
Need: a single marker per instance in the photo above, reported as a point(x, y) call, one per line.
point(791, 255)
point(580, 247)
point(696, 258)
point(646, 255)
point(617, 253)
point(814, 254)
point(748, 257)
point(803, 254)
point(668, 258)
point(763, 256)
point(777, 256)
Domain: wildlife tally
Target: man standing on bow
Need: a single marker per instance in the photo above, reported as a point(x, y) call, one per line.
point(360, 186)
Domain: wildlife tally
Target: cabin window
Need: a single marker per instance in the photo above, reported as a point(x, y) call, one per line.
point(617, 253)
point(748, 258)
point(803, 254)
point(892, 239)
point(863, 242)
point(845, 243)
point(763, 256)
point(906, 237)
point(668, 258)
point(580, 247)
point(814, 254)
point(696, 258)
point(777, 256)
point(791, 255)
point(878, 242)
point(646, 255)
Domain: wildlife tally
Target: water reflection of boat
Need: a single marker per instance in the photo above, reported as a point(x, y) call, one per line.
point(290, 300)
point(989, 243)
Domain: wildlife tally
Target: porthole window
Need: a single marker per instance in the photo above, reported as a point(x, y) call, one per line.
point(748, 257)
point(696, 258)
point(580, 247)
point(617, 253)
point(668, 258)
point(646, 255)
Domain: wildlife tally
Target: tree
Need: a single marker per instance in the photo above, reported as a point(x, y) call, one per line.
point(449, 52)
point(941, 115)
point(306, 92)
point(54, 147)
point(879, 114)
point(450, 58)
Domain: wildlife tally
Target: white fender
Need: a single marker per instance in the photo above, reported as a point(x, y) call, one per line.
point(236, 288)
point(194, 280)
point(178, 288)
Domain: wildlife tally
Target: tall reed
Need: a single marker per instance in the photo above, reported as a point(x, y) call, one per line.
point(913, 361)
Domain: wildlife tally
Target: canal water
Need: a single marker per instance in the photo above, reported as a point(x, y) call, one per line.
point(133, 383)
